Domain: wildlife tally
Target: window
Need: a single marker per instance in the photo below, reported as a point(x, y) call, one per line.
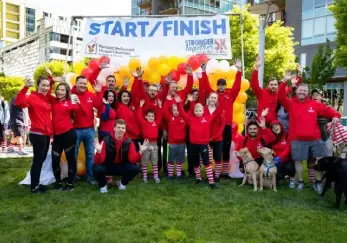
point(319, 3)
point(307, 29)
point(45, 14)
point(331, 25)
point(329, 2)
point(319, 27)
point(307, 9)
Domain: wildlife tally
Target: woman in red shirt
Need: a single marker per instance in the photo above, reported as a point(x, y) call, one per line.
point(107, 115)
point(39, 108)
point(65, 137)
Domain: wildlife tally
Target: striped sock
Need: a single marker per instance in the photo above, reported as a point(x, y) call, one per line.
point(209, 174)
point(170, 169)
point(225, 167)
point(197, 173)
point(144, 171)
point(218, 167)
point(19, 147)
point(178, 169)
point(155, 171)
point(201, 162)
point(3, 146)
point(210, 154)
point(311, 175)
point(11, 146)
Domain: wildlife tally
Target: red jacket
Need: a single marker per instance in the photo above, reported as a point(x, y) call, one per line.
point(303, 115)
point(217, 127)
point(84, 117)
point(265, 136)
point(149, 129)
point(176, 128)
point(266, 99)
point(128, 115)
point(133, 156)
point(281, 146)
point(200, 127)
point(62, 115)
point(107, 121)
point(225, 99)
point(39, 109)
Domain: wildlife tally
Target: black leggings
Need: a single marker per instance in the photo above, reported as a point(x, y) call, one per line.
point(64, 142)
point(226, 142)
point(198, 150)
point(217, 150)
point(189, 154)
point(40, 148)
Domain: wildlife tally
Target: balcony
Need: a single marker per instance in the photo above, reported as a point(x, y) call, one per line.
point(168, 8)
point(144, 3)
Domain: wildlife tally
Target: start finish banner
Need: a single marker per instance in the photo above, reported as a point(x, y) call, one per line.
point(179, 36)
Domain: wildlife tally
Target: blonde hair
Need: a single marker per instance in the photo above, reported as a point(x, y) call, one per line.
point(198, 105)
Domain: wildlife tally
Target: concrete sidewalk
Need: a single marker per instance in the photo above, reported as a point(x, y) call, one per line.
point(15, 154)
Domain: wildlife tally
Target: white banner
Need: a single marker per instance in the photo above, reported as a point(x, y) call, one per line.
point(178, 36)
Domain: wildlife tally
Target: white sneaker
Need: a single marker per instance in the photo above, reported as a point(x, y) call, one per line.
point(10, 150)
point(291, 184)
point(121, 186)
point(318, 188)
point(157, 180)
point(300, 186)
point(103, 189)
point(145, 180)
point(22, 153)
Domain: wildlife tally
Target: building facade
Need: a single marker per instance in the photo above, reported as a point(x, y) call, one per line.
point(186, 7)
point(49, 42)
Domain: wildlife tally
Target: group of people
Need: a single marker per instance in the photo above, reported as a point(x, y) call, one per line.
point(136, 125)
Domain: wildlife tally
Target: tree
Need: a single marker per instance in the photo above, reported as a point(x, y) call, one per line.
point(339, 9)
point(322, 68)
point(9, 86)
point(279, 45)
point(56, 67)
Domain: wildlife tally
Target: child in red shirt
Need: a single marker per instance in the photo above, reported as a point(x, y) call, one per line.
point(149, 127)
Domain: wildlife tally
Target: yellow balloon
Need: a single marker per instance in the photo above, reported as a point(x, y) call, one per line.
point(244, 85)
point(231, 74)
point(133, 64)
point(78, 67)
point(147, 72)
point(124, 71)
point(218, 74)
point(153, 63)
point(81, 161)
point(240, 128)
point(73, 80)
point(239, 118)
point(242, 97)
point(155, 78)
point(242, 110)
point(230, 83)
point(119, 81)
point(90, 87)
point(163, 69)
point(173, 62)
point(236, 107)
point(163, 60)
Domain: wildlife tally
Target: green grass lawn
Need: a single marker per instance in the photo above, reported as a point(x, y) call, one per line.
point(168, 212)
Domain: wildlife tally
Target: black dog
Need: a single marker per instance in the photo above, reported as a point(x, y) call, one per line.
point(336, 171)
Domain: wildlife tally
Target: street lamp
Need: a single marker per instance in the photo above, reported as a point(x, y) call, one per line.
point(264, 7)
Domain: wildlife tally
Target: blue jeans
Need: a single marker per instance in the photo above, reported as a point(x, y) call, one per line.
point(87, 136)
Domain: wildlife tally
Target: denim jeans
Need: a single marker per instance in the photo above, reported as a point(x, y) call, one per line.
point(87, 136)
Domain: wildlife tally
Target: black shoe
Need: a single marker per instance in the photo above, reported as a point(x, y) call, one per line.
point(40, 189)
point(213, 186)
point(180, 178)
point(216, 180)
point(58, 186)
point(198, 181)
point(170, 178)
point(68, 188)
point(227, 177)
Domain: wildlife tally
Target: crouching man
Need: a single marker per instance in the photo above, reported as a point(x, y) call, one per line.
point(116, 155)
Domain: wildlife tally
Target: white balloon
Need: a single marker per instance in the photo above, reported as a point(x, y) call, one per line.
point(211, 66)
point(68, 77)
point(233, 67)
point(224, 65)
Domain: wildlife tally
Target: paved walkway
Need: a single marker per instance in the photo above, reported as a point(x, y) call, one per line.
point(29, 150)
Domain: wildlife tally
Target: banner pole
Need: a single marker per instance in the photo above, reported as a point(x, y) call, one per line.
point(68, 45)
point(242, 41)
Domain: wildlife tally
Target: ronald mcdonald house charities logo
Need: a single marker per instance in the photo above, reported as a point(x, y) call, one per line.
point(92, 47)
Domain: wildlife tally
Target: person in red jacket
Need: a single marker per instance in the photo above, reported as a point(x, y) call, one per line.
point(84, 122)
point(199, 132)
point(126, 111)
point(216, 133)
point(281, 148)
point(257, 136)
point(39, 107)
point(226, 99)
point(107, 114)
point(176, 140)
point(65, 137)
point(149, 126)
point(304, 132)
point(117, 155)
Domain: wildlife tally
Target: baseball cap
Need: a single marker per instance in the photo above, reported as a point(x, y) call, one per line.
point(317, 91)
point(221, 82)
